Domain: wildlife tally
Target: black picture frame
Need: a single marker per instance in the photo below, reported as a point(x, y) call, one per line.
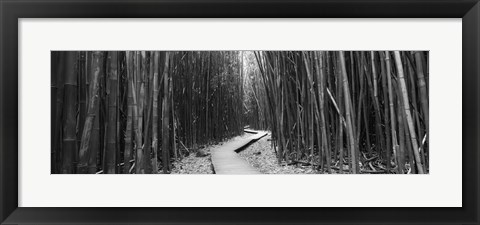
point(12, 10)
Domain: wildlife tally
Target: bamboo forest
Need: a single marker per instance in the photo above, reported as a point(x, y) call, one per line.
point(239, 112)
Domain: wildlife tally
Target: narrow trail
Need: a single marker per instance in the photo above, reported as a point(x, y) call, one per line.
point(225, 159)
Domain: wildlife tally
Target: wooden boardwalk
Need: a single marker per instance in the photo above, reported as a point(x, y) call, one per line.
point(225, 159)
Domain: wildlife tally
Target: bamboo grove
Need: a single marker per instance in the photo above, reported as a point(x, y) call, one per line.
point(352, 112)
point(339, 112)
point(137, 111)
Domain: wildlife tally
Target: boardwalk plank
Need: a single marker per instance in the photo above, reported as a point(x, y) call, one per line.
point(225, 160)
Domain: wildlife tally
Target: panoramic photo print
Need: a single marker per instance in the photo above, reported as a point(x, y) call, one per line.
point(239, 112)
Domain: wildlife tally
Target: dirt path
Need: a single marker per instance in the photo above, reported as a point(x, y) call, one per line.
point(225, 160)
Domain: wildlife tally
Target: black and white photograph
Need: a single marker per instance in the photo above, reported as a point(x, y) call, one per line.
point(240, 112)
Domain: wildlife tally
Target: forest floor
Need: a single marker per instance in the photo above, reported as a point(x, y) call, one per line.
point(201, 165)
point(260, 155)
point(193, 165)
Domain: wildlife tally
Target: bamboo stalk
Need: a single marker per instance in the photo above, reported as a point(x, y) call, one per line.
point(422, 86)
point(112, 86)
point(392, 111)
point(69, 113)
point(155, 112)
point(139, 169)
point(91, 112)
point(128, 129)
point(165, 118)
point(406, 104)
point(348, 109)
